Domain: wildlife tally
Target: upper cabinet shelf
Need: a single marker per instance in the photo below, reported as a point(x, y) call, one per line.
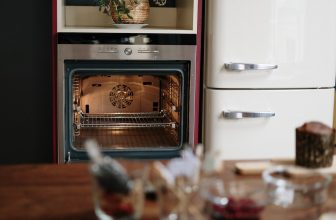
point(83, 16)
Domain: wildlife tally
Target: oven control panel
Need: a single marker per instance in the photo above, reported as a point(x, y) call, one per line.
point(129, 51)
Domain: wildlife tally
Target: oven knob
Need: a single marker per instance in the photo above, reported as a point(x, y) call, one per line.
point(128, 51)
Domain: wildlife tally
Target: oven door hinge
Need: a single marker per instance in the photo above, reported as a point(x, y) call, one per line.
point(68, 159)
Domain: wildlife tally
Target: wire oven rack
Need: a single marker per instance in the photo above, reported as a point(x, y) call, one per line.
point(125, 120)
point(128, 138)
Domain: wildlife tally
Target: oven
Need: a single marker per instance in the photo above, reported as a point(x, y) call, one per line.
point(133, 94)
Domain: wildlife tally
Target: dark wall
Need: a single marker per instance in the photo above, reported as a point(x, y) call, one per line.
point(25, 77)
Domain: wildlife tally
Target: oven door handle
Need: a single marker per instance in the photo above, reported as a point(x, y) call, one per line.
point(249, 66)
point(148, 51)
point(241, 114)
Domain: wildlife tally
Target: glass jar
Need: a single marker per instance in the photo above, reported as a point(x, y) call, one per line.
point(117, 200)
point(295, 192)
point(233, 199)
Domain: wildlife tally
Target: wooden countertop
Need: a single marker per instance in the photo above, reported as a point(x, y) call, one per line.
point(50, 191)
point(45, 192)
point(53, 191)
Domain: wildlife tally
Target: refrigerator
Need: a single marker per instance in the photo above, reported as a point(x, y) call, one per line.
point(269, 68)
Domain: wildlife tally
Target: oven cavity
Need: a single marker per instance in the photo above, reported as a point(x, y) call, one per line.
point(124, 111)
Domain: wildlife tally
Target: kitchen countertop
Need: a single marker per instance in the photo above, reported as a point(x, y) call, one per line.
point(45, 192)
point(52, 191)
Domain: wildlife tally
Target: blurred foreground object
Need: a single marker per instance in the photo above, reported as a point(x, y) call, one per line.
point(177, 186)
point(233, 199)
point(116, 194)
point(296, 192)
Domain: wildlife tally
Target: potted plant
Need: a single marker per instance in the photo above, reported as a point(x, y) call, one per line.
point(125, 11)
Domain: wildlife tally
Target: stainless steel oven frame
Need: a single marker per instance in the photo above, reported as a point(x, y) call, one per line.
point(122, 52)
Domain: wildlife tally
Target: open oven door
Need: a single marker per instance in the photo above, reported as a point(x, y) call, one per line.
point(136, 109)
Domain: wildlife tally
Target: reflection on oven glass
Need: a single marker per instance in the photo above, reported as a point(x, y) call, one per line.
point(126, 111)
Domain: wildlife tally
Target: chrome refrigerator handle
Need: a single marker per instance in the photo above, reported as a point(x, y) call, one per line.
point(249, 66)
point(241, 114)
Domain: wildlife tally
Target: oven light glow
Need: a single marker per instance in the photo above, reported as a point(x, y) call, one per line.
point(117, 132)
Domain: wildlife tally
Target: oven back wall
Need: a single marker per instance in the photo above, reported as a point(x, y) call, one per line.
point(25, 76)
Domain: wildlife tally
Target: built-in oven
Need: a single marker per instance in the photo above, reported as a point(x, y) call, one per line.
point(133, 94)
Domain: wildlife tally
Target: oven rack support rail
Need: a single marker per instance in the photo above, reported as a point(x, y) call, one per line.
point(125, 120)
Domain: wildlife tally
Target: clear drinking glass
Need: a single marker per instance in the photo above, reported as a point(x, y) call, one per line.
point(117, 202)
point(178, 202)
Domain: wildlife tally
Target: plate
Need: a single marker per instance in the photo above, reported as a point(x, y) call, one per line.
point(130, 26)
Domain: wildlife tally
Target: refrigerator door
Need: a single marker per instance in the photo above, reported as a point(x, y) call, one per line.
point(257, 124)
point(270, 43)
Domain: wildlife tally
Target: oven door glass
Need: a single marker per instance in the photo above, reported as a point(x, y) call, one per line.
point(131, 108)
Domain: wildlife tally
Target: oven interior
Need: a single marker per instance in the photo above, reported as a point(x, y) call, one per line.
point(128, 110)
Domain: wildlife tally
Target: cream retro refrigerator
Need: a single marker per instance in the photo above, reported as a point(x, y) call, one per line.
point(269, 67)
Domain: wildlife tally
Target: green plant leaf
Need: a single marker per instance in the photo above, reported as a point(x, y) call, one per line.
point(122, 3)
point(119, 18)
point(119, 6)
point(129, 16)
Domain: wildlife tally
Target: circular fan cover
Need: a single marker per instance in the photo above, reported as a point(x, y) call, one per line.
point(121, 96)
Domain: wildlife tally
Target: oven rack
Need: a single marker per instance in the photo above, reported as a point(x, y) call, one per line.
point(126, 120)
